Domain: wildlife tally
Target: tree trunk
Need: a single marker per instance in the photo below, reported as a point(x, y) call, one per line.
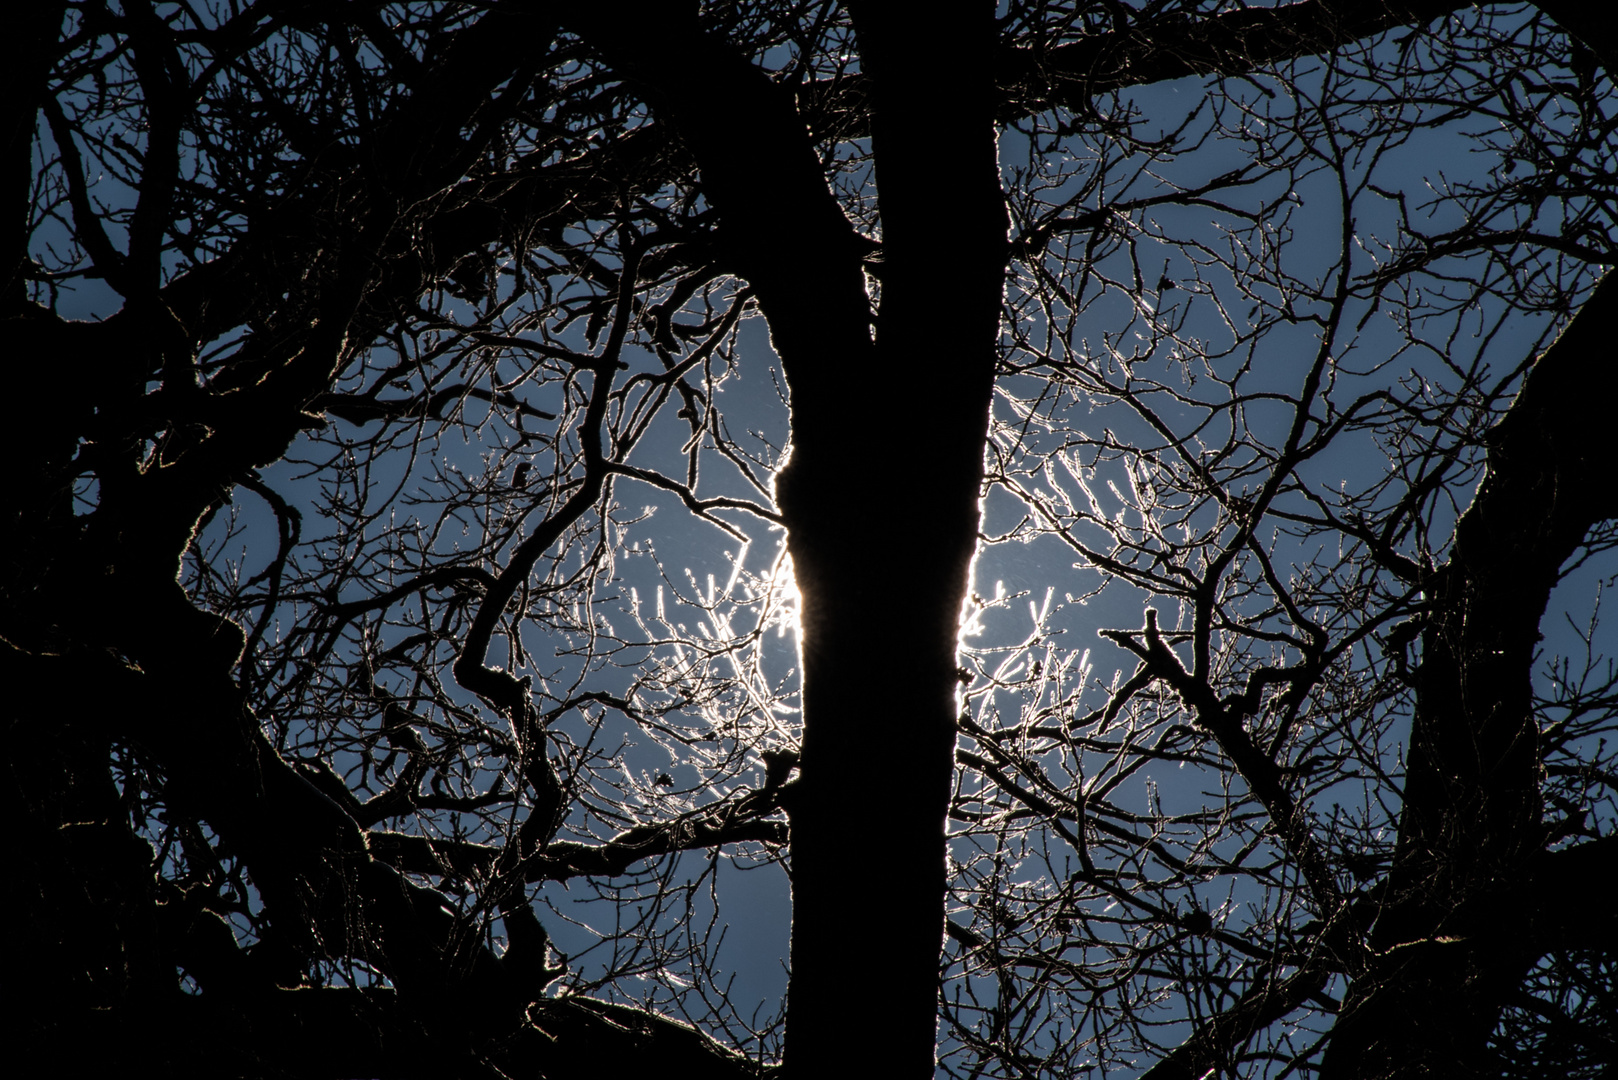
point(1461, 925)
point(883, 557)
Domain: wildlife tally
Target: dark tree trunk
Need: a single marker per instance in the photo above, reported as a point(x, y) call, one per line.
point(1463, 918)
point(883, 555)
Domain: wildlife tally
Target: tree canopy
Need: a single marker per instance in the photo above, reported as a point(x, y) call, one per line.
point(1107, 499)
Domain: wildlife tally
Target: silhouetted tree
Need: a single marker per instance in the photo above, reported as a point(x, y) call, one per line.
point(351, 340)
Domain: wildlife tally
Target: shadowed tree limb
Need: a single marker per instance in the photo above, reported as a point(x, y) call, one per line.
point(1470, 836)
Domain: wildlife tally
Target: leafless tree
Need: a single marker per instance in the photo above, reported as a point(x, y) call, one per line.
point(441, 598)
